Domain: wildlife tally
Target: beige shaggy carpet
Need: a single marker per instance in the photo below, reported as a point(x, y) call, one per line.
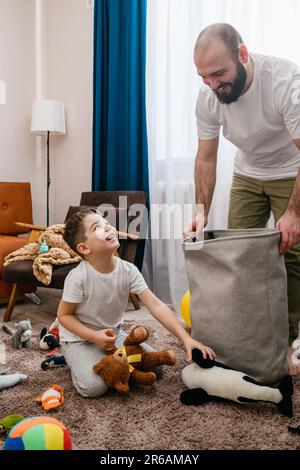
point(147, 418)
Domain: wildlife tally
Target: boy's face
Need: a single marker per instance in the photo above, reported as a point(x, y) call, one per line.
point(100, 236)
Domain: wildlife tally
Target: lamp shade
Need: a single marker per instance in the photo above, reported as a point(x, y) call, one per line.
point(48, 115)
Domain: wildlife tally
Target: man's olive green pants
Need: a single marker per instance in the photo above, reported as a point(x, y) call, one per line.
point(251, 204)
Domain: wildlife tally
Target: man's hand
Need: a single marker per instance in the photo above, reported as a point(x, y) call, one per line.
point(197, 225)
point(289, 225)
point(190, 344)
point(105, 339)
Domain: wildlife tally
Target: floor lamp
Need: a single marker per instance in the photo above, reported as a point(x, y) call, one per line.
point(48, 116)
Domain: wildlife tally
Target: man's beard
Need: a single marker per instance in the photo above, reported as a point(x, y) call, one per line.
point(236, 87)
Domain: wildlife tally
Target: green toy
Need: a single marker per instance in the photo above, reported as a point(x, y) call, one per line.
point(9, 422)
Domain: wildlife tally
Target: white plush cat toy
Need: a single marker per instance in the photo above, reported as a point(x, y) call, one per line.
point(208, 380)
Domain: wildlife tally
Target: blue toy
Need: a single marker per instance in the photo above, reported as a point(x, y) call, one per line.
point(44, 248)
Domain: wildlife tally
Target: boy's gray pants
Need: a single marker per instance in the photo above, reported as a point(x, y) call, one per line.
point(81, 356)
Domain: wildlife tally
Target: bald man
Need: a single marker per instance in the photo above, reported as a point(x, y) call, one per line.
point(256, 99)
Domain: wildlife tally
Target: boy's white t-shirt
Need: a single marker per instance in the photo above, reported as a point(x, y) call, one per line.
point(102, 298)
point(263, 122)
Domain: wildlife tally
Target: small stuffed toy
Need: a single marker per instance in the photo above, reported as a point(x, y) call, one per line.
point(9, 380)
point(51, 398)
point(50, 339)
point(53, 361)
point(7, 423)
point(208, 380)
point(21, 338)
point(294, 429)
point(132, 362)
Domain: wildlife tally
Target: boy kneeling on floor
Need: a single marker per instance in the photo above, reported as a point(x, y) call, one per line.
point(94, 299)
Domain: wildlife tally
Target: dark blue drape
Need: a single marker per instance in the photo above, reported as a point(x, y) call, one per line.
point(120, 153)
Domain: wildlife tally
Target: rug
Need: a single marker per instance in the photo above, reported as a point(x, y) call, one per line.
point(147, 418)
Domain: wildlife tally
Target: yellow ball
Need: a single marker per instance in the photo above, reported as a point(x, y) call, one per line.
point(185, 308)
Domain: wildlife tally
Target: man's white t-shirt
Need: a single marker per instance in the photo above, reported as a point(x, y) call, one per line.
point(262, 124)
point(102, 298)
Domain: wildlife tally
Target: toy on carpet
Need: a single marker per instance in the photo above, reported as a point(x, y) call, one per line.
point(185, 309)
point(209, 380)
point(51, 398)
point(50, 339)
point(296, 349)
point(9, 380)
point(132, 362)
point(39, 433)
point(294, 430)
point(21, 337)
point(53, 361)
point(9, 422)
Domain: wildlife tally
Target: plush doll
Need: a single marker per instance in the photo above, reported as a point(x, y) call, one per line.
point(51, 398)
point(21, 338)
point(132, 362)
point(53, 361)
point(208, 380)
point(9, 380)
point(50, 339)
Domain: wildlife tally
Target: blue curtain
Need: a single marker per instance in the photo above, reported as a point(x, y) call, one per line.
point(120, 151)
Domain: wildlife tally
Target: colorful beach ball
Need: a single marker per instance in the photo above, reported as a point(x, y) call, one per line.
point(38, 433)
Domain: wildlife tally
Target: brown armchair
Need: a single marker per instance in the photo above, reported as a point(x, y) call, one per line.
point(20, 272)
point(15, 204)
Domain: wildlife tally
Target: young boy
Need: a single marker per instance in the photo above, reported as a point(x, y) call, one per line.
point(94, 299)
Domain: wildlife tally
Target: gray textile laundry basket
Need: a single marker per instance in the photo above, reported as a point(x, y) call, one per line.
point(238, 287)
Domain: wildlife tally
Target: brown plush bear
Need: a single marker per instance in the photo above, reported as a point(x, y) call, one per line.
point(132, 362)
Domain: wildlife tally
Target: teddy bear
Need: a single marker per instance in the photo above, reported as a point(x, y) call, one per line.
point(132, 362)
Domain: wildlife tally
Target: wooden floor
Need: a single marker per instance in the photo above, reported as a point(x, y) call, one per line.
point(44, 314)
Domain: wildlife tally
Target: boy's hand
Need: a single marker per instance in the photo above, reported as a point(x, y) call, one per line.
point(191, 343)
point(105, 339)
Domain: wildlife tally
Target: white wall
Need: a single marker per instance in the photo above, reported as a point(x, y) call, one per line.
point(70, 79)
point(17, 70)
point(46, 51)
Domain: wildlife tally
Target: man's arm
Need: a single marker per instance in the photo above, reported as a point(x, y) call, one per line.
point(289, 222)
point(67, 318)
point(205, 172)
point(205, 180)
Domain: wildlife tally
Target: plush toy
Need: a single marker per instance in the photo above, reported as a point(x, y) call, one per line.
point(208, 380)
point(53, 361)
point(21, 338)
point(9, 380)
point(9, 422)
point(51, 398)
point(294, 429)
point(132, 362)
point(39, 433)
point(50, 339)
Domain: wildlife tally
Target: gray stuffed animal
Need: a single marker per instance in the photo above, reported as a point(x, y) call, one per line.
point(21, 338)
point(9, 380)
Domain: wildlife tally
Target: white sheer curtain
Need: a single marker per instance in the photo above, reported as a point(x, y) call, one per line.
point(267, 27)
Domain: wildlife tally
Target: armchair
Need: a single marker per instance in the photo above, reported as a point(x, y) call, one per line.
point(15, 204)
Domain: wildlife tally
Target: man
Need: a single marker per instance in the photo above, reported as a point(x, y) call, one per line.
point(257, 101)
